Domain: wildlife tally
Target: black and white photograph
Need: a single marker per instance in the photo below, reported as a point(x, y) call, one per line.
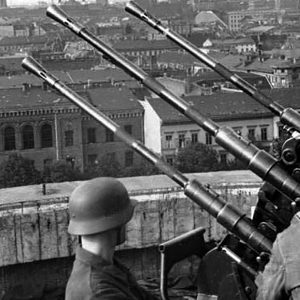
point(149, 149)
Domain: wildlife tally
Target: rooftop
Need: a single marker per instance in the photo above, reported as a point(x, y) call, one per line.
point(143, 45)
point(208, 17)
point(269, 64)
point(72, 76)
point(226, 105)
point(115, 74)
point(31, 98)
point(260, 29)
point(113, 99)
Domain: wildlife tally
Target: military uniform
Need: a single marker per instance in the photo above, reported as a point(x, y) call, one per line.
point(94, 278)
point(281, 277)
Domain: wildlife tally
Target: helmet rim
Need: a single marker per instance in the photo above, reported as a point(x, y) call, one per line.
point(105, 223)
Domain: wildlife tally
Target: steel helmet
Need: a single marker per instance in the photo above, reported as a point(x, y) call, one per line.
point(99, 205)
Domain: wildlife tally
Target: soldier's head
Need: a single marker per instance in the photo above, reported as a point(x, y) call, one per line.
point(98, 206)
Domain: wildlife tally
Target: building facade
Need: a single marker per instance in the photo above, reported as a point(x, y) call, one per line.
point(43, 126)
point(173, 131)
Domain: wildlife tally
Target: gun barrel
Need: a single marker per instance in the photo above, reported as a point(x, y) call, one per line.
point(224, 212)
point(287, 116)
point(259, 161)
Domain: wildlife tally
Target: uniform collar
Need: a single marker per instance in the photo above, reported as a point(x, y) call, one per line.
point(90, 258)
point(93, 259)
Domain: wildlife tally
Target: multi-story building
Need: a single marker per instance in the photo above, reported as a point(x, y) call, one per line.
point(167, 130)
point(234, 19)
point(144, 50)
point(280, 73)
point(22, 43)
point(241, 45)
point(43, 126)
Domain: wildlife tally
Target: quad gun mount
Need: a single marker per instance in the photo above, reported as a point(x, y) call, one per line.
point(277, 211)
point(244, 253)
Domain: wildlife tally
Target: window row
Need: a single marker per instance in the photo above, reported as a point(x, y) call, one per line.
point(27, 137)
point(182, 139)
point(109, 135)
point(46, 136)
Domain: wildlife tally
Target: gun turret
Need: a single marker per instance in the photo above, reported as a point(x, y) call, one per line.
point(259, 161)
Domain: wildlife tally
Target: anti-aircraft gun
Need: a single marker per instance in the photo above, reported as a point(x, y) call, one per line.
point(270, 216)
point(245, 251)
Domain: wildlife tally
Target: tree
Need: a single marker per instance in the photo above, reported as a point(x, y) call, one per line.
point(234, 164)
point(106, 166)
point(109, 166)
point(197, 158)
point(128, 29)
point(142, 168)
point(18, 171)
point(60, 171)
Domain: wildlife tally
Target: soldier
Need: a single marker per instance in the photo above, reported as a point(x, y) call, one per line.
point(281, 277)
point(99, 210)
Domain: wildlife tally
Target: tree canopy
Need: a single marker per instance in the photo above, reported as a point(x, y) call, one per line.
point(17, 171)
point(197, 158)
point(60, 171)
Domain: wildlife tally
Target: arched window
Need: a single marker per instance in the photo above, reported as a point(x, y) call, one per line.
point(46, 136)
point(28, 137)
point(9, 139)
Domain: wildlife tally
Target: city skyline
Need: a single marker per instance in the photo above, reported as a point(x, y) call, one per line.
point(14, 3)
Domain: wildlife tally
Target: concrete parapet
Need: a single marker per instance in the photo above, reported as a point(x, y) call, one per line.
point(36, 229)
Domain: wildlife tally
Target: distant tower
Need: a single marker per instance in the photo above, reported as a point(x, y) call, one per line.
point(3, 3)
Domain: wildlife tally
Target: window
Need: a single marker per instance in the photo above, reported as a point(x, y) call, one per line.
point(92, 158)
point(109, 135)
point(264, 134)
point(28, 137)
point(69, 140)
point(170, 160)
point(168, 141)
point(181, 140)
point(128, 158)
point(128, 128)
point(91, 135)
point(46, 136)
point(251, 134)
point(9, 139)
point(208, 138)
point(194, 138)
